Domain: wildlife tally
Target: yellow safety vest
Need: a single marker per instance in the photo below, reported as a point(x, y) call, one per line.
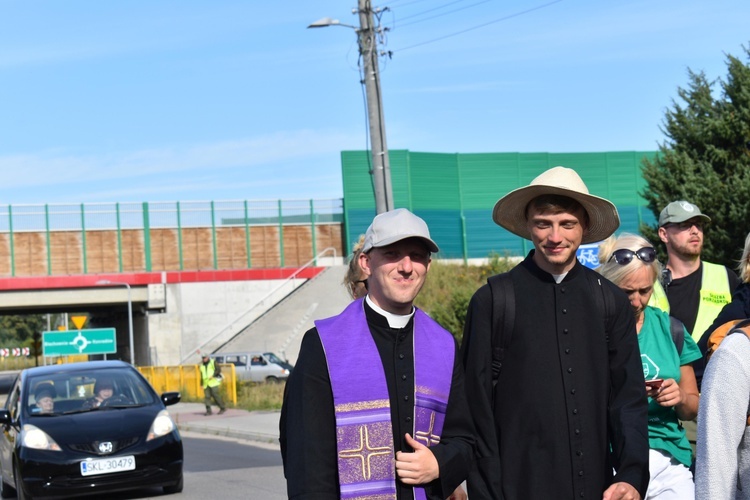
point(659, 298)
point(207, 375)
point(714, 295)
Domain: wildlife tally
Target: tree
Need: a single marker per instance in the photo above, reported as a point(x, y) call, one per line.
point(20, 330)
point(706, 159)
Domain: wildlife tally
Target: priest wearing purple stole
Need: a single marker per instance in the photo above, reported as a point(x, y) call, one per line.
point(375, 407)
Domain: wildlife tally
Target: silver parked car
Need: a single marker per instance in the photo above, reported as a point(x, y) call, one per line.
point(256, 366)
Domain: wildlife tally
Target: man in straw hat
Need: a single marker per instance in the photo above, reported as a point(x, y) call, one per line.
point(375, 406)
point(566, 403)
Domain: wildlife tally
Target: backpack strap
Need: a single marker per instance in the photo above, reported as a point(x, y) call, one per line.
point(678, 333)
point(503, 319)
point(742, 326)
point(605, 301)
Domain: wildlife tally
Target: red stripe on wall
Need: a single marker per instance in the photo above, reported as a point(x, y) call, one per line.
point(136, 279)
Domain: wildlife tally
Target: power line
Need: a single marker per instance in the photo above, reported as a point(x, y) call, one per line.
point(442, 14)
point(479, 26)
point(393, 2)
point(435, 8)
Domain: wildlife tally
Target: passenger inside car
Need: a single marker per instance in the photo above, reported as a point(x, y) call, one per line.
point(44, 395)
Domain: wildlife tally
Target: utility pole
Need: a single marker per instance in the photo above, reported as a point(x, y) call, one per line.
point(367, 40)
point(381, 167)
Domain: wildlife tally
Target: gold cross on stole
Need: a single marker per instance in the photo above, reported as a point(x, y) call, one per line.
point(365, 452)
point(427, 436)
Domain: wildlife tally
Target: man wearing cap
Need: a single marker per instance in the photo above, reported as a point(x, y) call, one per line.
point(567, 403)
point(692, 290)
point(375, 407)
point(210, 381)
point(696, 290)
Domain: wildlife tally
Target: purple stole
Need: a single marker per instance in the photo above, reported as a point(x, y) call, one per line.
point(364, 433)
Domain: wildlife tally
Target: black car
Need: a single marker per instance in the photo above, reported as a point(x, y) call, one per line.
point(60, 440)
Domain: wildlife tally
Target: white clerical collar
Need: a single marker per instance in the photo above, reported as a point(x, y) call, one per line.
point(394, 320)
point(559, 277)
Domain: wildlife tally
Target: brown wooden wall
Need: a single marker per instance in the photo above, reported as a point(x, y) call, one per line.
point(30, 249)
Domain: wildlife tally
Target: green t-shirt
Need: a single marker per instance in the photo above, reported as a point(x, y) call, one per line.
point(660, 360)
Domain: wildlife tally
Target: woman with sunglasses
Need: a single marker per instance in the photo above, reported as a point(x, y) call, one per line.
point(630, 262)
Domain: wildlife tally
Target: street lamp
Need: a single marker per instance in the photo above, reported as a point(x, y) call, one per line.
point(130, 313)
point(368, 50)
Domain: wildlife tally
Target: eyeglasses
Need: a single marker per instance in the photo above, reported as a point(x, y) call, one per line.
point(685, 226)
point(623, 256)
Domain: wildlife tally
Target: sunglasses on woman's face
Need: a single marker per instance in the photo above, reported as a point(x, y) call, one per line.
point(623, 256)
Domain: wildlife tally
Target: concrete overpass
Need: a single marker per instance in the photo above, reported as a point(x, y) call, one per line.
point(174, 313)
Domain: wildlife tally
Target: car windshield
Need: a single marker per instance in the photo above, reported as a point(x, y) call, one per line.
point(85, 390)
point(272, 357)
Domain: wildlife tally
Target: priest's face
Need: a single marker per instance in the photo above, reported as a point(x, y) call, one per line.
point(556, 236)
point(396, 274)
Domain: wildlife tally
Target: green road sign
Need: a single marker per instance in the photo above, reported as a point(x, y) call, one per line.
point(92, 341)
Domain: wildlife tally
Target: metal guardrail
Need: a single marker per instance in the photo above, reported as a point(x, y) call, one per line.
point(186, 379)
point(244, 319)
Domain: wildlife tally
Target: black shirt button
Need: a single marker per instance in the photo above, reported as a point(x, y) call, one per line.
point(570, 370)
point(575, 411)
point(579, 453)
point(567, 351)
point(580, 473)
point(581, 495)
point(578, 431)
point(400, 356)
point(565, 311)
point(406, 398)
point(565, 331)
point(562, 290)
point(403, 377)
point(572, 391)
point(408, 419)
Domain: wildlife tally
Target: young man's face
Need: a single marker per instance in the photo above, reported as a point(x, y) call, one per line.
point(396, 274)
point(556, 237)
point(684, 239)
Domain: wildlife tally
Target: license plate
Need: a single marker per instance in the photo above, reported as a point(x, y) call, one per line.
point(107, 465)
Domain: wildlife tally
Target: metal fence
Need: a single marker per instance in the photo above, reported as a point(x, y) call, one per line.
point(47, 232)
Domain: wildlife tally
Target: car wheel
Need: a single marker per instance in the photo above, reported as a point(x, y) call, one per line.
point(272, 380)
point(20, 494)
point(175, 488)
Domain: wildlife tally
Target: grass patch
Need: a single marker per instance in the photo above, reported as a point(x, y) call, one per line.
point(449, 288)
point(264, 396)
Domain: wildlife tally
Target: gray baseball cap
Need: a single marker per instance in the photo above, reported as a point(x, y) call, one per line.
point(396, 225)
point(680, 211)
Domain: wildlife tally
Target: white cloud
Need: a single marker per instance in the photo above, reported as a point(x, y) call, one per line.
point(272, 161)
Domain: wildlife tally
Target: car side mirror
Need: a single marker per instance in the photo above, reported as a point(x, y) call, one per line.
point(5, 418)
point(170, 398)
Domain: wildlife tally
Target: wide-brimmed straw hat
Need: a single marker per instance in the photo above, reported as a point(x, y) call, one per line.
point(510, 210)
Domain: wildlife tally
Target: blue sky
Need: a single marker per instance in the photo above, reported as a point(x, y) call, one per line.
point(227, 100)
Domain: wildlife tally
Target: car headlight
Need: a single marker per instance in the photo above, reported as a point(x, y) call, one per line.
point(35, 438)
point(162, 426)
